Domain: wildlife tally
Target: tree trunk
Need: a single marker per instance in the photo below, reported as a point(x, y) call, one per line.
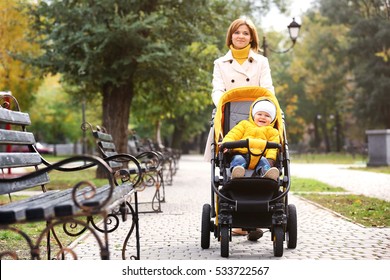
point(178, 133)
point(339, 135)
point(116, 112)
point(326, 136)
point(158, 133)
point(317, 140)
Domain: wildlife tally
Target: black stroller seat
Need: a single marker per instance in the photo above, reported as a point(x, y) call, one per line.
point(253, 189)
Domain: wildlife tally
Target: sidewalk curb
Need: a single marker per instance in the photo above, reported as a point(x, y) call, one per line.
point(330, 211)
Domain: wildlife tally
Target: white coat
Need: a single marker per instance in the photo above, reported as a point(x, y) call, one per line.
point(229, 74)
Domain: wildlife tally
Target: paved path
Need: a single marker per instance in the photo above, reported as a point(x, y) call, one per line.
point(339, 175)
point(174, 234)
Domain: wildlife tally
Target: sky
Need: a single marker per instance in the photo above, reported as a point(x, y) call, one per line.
point(278, 22)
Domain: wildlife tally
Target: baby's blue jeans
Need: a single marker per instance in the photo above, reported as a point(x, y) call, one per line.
point(243, 160)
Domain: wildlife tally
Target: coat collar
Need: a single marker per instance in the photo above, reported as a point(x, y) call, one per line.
point(228, 57)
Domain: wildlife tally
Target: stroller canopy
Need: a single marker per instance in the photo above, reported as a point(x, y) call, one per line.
point(244, 94)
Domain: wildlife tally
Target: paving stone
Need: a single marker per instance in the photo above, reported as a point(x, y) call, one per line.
point(174, 234)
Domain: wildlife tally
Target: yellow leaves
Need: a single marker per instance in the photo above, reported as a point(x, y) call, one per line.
point(281, 87)
point(385, 54)
point(16, 76)
point(357, 202)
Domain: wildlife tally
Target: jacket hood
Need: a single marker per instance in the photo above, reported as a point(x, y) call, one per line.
point(263, 98)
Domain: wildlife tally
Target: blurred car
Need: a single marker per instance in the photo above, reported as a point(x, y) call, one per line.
point(42, 148)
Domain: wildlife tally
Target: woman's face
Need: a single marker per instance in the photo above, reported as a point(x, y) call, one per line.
point(241, 37)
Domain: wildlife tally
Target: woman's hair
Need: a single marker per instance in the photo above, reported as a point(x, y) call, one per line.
point(252, 29)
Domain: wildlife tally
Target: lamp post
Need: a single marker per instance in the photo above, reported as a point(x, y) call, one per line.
point(84, 145)
point(293, 29)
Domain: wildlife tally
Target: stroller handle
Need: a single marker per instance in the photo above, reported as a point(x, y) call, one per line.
point(245, 144)
point(235, 144)
point(273, 145)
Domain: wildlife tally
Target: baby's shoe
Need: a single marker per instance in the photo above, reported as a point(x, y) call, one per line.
point(238, 171)
point(272, 173)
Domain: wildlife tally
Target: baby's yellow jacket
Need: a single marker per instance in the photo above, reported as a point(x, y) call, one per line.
point(247, 129)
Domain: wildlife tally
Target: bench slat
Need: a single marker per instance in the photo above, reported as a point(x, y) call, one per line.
point(110, 154)
point(107, 145)
point(15, 212)
point(13, 160)
point(122, 191)
point(10, 187)
point(16, 137)
point(14, 117)
point(68, 208)
point(61, 204)
point(103, 136)
point(58, 204)
point(115, 164)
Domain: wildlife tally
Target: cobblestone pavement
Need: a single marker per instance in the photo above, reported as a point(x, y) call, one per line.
point(174, 234)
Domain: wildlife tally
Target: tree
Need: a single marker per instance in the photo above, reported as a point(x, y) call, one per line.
point(195, 40)
point(97, 46)
point(369, 37)
point(20, 78)
point(320, 65)
point(287, 90)
point(105, 47)
point(180, 91)
point(59, 119)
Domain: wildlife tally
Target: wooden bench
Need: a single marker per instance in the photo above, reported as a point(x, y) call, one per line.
point(80, 207)
point(169, 157)
point(171, 160)
point(150, 161)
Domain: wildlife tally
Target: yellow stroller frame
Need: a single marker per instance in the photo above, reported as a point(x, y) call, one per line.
point(248, 202)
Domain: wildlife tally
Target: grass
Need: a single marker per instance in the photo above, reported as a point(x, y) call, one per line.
point(367, 211)
point(310, 185)
point(335, 158)
point(339, 158)
point(379, 169)
point(63, 180)
point(13, 241)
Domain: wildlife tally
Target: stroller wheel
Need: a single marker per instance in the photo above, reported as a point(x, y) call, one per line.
point(292, 227)
point(278, 236)
point(206, 226)
point(225, 241)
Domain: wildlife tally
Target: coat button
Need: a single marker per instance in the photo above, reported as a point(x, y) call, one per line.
point(232, 81)
point(247, 79)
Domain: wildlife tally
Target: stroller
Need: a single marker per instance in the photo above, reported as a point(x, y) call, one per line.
point(248, 202)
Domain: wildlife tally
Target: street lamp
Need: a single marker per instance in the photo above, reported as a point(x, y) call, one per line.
point(293, 29)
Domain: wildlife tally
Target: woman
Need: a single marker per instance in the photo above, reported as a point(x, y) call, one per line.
point(242, 65)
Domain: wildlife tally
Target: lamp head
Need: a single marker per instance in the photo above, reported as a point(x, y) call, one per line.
point(293, 29)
